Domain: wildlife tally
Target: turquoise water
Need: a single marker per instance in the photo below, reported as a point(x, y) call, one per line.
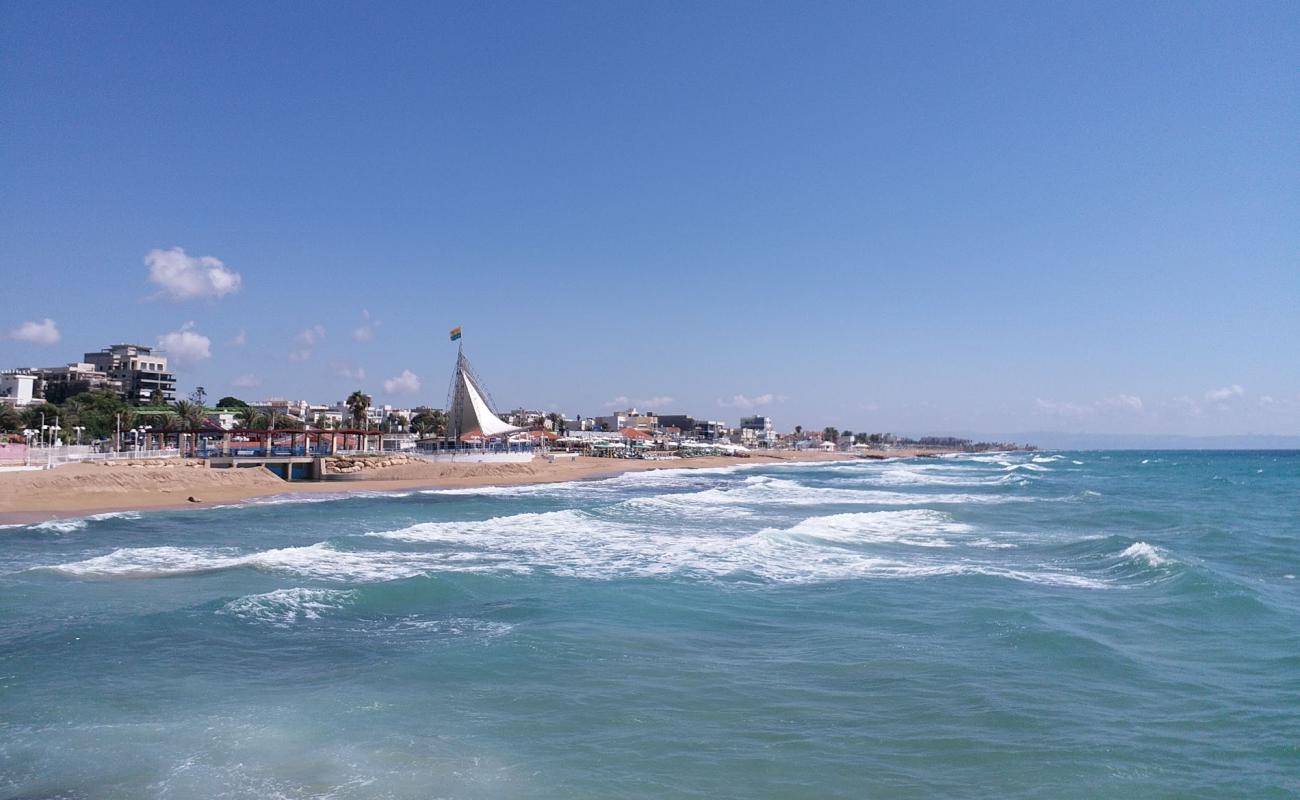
point(1060, 625)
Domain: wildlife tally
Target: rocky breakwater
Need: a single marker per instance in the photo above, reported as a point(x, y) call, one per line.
point(367, 463)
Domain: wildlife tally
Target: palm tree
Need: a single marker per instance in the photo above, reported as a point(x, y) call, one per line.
point(798, 431)
point(248, 418)
point(358, 402)
point(191, 415)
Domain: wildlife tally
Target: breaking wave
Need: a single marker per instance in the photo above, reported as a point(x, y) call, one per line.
point(322, 561)
point(285, 607)
point(1145, 553)
point(818, 549)
point(80, 523)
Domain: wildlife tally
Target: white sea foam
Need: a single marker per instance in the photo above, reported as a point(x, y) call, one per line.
point(1145, 553)
point(79, 523)
point(1046, 459)
point(915, 527)
point(1027, 467)
point(451, 627)
point(918, 475)
point(284, 607)
point(60, 525)
point(320, 560)
point(762, 490)
point(818, 549)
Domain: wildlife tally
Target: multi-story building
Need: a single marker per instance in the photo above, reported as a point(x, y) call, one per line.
point(56, 384)
point(139, 371)
point(17, 388)
point(682, 422)
point(757, 430)
point(525, 418)
point(711, 430)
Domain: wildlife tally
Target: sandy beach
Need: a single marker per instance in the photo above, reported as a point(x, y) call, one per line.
point(81, 489)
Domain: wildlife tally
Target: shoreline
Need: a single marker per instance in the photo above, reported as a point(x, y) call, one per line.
point(82, 490)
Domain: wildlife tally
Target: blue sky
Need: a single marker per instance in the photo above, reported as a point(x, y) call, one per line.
point(968, 217)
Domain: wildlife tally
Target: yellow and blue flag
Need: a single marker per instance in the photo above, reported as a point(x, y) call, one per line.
point(455, 333)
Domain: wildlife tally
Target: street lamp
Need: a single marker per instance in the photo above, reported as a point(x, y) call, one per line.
point(78, 429)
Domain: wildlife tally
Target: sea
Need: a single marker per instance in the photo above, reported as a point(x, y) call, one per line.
point(1007, 625)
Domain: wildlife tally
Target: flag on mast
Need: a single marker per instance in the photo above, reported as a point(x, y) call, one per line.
point(455, 333)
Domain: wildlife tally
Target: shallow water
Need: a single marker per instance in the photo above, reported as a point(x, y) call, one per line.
point(1116, 624)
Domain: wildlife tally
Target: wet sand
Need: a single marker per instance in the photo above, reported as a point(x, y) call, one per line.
point(81, 489)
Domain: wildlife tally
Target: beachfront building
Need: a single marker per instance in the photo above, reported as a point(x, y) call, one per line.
point(17, 388)
point(757, 431)
point(138, 370)
point(684, 424)
point(297, 409)
point(711, 430)
point(56, 384)
point(526, 418)
point(626, 419)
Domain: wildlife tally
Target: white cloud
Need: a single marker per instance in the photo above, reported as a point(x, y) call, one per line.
point(744, 402)
point(346, 371)
point(1224, 394)
point(1184, 404)
point(366, 332)
point(312, 335)
point(406, 383)
point(185, 347)
point(309, 338)
point(1267, 400)
point(1118, 403)
point(1064, 409)
point(247, 381)
point(44, 332)
point(240, 339)
point(625, 402)
point(184, 277)
point(1123, 402)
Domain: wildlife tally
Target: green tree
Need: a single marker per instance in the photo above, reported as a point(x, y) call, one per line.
point(156, 398)
point(10, 420)
point(198, 396)
point(798, 431)
point(358, 403)
point(829, 434)
point(280, 421)
point(248, 418)
point(190, 415)
point(41, 413)
point(101, 412)
point(231, 402)
point(429, 422)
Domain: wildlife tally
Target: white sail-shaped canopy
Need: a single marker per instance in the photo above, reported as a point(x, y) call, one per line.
point(476, 414)
point(470, 412)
